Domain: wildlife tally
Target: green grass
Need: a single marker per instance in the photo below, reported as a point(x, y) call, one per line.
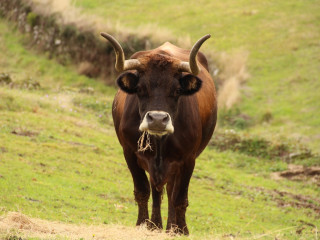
point(60, 160)
point(281, 37)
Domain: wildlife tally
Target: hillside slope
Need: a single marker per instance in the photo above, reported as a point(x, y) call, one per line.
point(60, 160)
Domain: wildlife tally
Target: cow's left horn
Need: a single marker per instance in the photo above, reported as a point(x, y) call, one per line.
point(192, 66)
point(121, 63)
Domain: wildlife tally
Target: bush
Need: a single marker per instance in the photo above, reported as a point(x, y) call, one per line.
point(68, 31)
point(32, 19)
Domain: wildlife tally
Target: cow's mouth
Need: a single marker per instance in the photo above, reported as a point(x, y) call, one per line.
point(157, 133)
point(157, 123)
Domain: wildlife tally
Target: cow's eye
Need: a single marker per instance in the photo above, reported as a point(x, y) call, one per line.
point(142, 92)
point(177, 92)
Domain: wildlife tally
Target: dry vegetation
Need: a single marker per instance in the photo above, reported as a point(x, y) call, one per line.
point(15, 223)
point(233, 75)
point(71, 15)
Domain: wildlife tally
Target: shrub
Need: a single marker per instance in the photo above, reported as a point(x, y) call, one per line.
point(68, 31)
point(32, 19)
point(5, 78)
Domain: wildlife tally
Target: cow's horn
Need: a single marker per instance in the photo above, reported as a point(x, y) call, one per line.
point(121, 63)
point(192, 66)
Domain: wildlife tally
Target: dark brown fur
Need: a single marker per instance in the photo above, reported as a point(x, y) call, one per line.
point(172, 158)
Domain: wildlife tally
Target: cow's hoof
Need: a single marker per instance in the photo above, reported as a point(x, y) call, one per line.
point(174, 229)
point(142, 222)
point(182, 231)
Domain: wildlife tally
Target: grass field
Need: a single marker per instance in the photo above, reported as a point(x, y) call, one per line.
point(60, 159)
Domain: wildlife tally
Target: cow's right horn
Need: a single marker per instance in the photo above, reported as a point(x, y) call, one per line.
point(121, 64)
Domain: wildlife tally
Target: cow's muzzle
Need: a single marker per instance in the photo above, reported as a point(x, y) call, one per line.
point(157, 123)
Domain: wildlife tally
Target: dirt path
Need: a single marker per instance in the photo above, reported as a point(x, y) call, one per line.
point(19, 225)
point(299, 173)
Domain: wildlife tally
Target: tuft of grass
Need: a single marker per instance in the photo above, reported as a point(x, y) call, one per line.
point(233, 118)
point(5, 78)
point(28, 83)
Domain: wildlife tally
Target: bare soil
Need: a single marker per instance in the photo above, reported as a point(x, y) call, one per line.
point(299, 173)
point(287, 199)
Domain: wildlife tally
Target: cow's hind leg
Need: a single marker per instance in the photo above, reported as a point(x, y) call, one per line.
point(141, 187)
point(156, 207)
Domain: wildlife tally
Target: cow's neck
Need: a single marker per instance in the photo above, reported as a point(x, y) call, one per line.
point(157, 164)
point(159, 151)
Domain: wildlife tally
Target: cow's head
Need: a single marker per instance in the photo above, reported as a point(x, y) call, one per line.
point(159, 81)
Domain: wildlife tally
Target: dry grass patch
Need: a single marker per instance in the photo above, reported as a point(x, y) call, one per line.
point(17, 224)
point(233, 74)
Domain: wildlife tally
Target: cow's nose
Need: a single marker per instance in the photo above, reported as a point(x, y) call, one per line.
point(157, 120)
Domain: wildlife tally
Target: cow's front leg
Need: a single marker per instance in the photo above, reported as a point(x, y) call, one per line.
point(171, 214)
point(180, 196)
point(141, 187)
point(156, 207)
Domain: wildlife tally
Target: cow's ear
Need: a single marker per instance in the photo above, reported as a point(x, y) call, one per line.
point(128, 82)
point(190, 84)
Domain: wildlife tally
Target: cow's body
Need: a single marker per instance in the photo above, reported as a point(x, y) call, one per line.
point(171, 159)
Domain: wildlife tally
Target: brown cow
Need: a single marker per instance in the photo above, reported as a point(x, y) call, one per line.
point(167, 94)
